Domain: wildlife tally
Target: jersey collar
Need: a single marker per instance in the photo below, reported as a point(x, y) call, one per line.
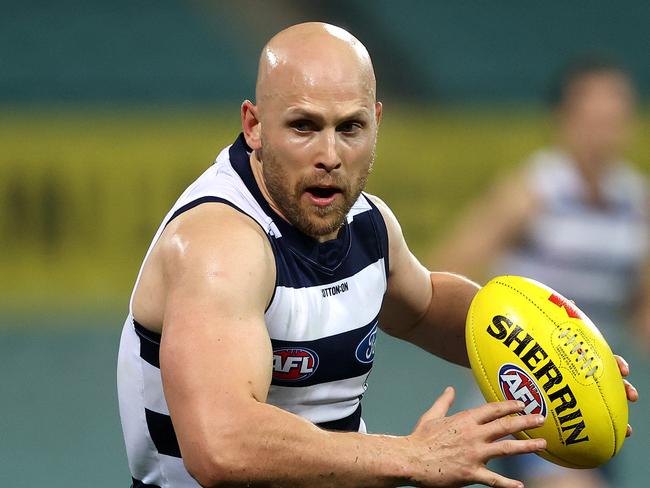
point(326, 255)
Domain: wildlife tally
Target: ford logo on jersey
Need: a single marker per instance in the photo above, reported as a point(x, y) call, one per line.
point(516, 384)
point(366, 349)
point(294, 364)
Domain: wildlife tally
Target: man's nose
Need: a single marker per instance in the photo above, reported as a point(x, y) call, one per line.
point(328, 157)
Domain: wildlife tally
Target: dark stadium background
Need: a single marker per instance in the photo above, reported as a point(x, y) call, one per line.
point(109, 109)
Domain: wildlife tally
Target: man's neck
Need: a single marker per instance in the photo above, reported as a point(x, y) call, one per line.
point(256, 167)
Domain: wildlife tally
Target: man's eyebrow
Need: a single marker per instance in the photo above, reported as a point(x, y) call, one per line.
point(305, 113)
point(317, 117)
point(356, 115)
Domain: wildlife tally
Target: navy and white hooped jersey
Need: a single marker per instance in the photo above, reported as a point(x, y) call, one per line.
point(322, 321)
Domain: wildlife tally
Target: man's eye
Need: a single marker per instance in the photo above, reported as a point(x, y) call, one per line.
point(349, 127)
point(302, 125)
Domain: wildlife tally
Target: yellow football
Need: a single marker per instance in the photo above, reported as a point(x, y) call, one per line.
point(527, 342)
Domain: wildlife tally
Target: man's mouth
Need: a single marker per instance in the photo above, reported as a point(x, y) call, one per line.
point(322, 195)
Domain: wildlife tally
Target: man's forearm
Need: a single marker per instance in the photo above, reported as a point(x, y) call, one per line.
point(441, 330)
point(279, 449)
point(263, 446)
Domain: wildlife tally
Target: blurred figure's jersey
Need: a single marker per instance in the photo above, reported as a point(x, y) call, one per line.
point(592, 254)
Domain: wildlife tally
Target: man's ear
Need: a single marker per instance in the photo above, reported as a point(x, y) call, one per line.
point(251, 125)
point(378, 111)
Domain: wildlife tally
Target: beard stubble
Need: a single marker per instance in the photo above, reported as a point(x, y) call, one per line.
point(312, 220)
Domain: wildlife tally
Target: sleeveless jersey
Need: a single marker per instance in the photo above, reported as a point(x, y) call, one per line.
point(592, 255)
point(322, 321)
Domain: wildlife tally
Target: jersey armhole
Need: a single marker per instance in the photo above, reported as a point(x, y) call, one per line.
point(382, 233)
point(207, 199)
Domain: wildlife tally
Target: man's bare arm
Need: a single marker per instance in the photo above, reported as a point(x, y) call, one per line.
point(424, 308)
point(216, 363)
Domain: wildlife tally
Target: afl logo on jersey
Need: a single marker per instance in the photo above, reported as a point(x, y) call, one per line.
point(366, 349)
point(516, 384)
point(294, 364)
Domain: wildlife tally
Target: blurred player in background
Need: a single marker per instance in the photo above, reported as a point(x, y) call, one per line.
point(574, 217)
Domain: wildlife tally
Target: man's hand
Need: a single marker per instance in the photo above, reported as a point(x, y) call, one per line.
point(455, 449)
point(630, 391)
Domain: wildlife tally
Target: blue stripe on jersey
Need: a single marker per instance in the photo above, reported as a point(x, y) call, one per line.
point(149, 344)
point(164, 438)
point(297, 270)
point(570, 205)
point(350, 423)
point(162, 433)
point(139, 484)
point(336, 355)
point(336, 358)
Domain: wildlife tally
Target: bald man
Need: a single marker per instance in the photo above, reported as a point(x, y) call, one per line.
point(253, 320)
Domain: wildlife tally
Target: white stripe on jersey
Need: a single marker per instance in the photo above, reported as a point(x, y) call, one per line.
point(315, 402)
point(304, 314)
point(174, 473)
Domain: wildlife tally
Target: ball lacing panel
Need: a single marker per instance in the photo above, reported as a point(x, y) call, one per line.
point(578, 349)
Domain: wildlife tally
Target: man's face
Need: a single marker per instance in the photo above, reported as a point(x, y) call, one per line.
point(596, 116)
point(318, 146)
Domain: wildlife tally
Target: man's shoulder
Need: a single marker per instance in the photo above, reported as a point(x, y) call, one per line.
point(210, 232)
point(383, 208)
point(214, 219)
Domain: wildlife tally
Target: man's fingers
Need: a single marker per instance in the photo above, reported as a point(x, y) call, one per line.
point(492, 411)
point(490, 478)
point(623, 367)
point(511, 447)
point(442, 405)
point(630, 391)
point(504, 426)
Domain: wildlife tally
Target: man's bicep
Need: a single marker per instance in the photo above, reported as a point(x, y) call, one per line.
point(213, 371)
point(215, 354)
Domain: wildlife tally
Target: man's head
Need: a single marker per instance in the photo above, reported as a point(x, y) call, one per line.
point(594, 100)
point(314, 126)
